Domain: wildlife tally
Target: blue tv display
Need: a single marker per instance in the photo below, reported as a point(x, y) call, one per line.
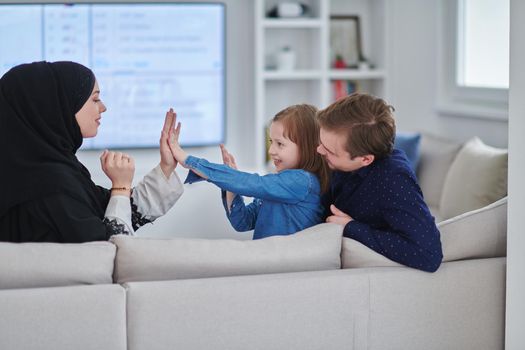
point(147, 57)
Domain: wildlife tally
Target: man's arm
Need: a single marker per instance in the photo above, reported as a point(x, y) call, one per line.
point(421, 250)
point(409, 235)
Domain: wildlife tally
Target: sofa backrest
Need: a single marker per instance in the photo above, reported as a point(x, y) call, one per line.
point(479, 233)
point(152, 259)
point(33, 265)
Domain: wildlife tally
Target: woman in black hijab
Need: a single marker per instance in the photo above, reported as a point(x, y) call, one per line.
point(45, 111)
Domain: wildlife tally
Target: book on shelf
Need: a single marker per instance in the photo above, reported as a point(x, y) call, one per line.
point(342, 88)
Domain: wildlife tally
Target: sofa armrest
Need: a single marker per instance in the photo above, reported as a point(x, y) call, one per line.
point(34, 265)
point(356, 254)
point(461, 306)
point(64, 318)
point(480, 233)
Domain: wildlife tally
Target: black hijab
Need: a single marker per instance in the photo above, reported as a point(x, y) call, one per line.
point(39, 135)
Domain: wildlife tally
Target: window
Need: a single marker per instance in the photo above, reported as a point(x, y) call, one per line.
point(483, 44)
point(474, 47)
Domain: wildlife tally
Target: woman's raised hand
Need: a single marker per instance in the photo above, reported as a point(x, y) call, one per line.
point(167, 162)
point(120, 168)
point(227, 157)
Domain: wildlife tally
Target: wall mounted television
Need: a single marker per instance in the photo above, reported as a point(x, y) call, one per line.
point(147, 57)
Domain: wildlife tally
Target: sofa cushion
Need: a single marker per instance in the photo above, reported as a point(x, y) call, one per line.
point(303, 310)
point(409, 143)
point(480, 233)
point(64, 318)
point(436, 156)
point(477, 177)
point(149, 259)
point(29, 265)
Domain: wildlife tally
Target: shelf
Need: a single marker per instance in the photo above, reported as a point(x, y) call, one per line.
point(292, 23)
point(310, 39)
point(355, 74)
point(292, 75)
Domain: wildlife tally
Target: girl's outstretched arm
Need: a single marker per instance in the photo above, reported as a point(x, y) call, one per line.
point(288, 186)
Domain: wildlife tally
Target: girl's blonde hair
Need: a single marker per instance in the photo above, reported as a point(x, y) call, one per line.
point(301, 127)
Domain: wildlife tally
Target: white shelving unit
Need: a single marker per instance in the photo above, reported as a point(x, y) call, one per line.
point(292, 23)
point(311, 80)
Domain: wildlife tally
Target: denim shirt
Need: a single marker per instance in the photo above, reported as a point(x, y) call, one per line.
point(284, 203)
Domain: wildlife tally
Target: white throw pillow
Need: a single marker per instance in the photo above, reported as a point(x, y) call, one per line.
point(436, 156)
point(152, 259)
point(477, 177)
point(32, 265)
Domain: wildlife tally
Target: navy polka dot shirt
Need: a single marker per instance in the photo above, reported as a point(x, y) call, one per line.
point(388, 211)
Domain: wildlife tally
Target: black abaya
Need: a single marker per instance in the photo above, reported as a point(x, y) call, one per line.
point(47, 193)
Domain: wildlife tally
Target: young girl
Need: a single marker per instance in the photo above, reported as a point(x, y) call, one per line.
point(285, 202)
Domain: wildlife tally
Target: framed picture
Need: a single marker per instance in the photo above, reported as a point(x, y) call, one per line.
point(345, 41)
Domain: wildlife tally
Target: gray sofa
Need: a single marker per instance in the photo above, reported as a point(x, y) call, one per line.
point(312, 290)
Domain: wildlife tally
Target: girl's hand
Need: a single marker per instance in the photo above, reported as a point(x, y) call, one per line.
point(119, 167)
point(173, 141)
point(228, 160)
point(167, 162)
point(227, 157)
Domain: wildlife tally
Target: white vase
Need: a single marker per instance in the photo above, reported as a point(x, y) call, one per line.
point(286, 60)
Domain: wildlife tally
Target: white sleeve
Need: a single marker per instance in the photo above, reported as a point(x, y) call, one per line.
point(155, 194)
point(119, 210)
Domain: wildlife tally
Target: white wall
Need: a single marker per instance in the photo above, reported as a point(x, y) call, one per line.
point(515, 317)
point(199, 212)
point(414, 30)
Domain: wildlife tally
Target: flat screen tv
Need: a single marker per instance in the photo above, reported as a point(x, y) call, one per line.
point(147, 57)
